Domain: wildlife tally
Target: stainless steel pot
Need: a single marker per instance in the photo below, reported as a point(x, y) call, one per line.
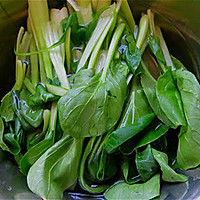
point(180, 21)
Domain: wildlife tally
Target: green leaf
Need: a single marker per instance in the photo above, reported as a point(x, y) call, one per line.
point(93, 158)
point(154, 44)
point(123, 134)
point(83, 177)
point(189, 142)
point(6, 110)
point(8, 141)
point(177, 63)
point(145, 163)
point(129, 170)
point(95, 107)
point(122, 190)
point(57, 169)
point(56, 90)
point(100, 165)
point(19, 132)
point(137, 105)
point(169, 99)
point(132, 54)
point(82, 33)
point(149, 86)
point(41, 96)
point(34, 153)
point(151, 133)
point(141, 104)
point(29, 117)
point(82, 77)
point(168, 174)
point(11, 141)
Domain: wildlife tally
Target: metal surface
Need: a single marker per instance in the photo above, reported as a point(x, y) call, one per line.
point(181, 25)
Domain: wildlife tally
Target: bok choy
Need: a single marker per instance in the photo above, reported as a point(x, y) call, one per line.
point(86, 110)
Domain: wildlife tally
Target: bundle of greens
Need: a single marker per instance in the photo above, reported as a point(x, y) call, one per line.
point(99, 102)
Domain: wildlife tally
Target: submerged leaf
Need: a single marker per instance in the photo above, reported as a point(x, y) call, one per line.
point(122, 190)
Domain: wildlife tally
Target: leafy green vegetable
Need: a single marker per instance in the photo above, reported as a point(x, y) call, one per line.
point(34, 153)
point(6, 110)
point(129, 170)
point(35, 138)
point(154, 43)
point(188, 147)
point(145, 163)
point(56, 90)
point(57, 169)
point(41, 96)
point(95, 107)
point(83, 181)
point(121, 135)
point(168, 174)
point(149, 86)
point(100, 165)
point(29, 117)
point(151, 133)
point(105, 21)
point(122, 190)
point(177, 63)
point(8, 139)
point(169, 99)
point(12, 143)
point(137, 105)
point(132, 54)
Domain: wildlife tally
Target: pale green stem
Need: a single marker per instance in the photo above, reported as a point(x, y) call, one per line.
point(164, 48)
point(101, 25)
point(34, 64)
point(125, 9)
point(20, 74)
point(53, 118)
point(143, 30)
point(57, 55)
point(151, 19)
point(46, 118)
point(59, 91)
point(83, 9)
point(39, 17)
point(99, 4)
point(29, 85)
point(114, 42)
point(68, 49)
point(99, 44)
